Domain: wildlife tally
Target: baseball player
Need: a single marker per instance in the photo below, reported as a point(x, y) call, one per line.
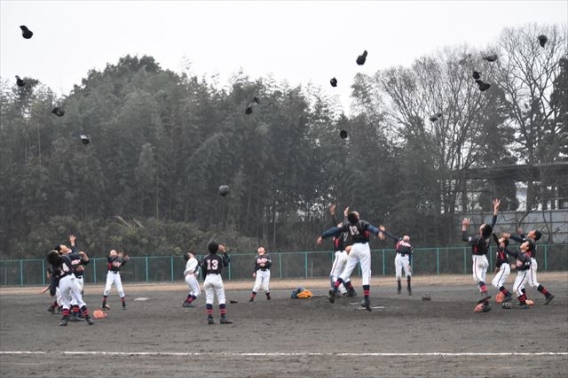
point(69, 286)
point(213, 284)
point(533, 236)
point(523, 266)
point(341, 254)
point(53, 274)
point(359, 230)
point(190, 274)
point(479, 248)
point(262, 264)
point(403, 259)
point(115, 261)
point(502, 268)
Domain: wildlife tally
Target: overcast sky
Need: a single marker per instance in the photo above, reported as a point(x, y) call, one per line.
point(298, 41)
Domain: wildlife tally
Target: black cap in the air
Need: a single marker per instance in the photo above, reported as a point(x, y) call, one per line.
point(26, 33)
point(476, 75)
point(542, 39)
point(223, 190)
point(333, 82)
point(58, 112)
point(482, 86)
point(85, 139)
point(490, 58)
point(20, 82)
point(254, 102)
point(435, 117)
point(362, 58)
point(343, 135)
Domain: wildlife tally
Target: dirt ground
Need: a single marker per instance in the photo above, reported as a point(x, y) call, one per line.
point(403, 336)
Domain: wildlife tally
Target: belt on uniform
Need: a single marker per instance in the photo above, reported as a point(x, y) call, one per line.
point(402, 254)
point(360, 242)
point(264, 270)
point(112, 271)
point(213, 273)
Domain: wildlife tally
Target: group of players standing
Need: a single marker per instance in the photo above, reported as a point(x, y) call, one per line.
point(351, 246)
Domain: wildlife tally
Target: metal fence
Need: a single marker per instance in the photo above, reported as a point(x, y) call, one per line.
point(309, 264)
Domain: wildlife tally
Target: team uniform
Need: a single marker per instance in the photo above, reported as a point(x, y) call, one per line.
point(213, 284)
point(402, 261)
point(54, 273)
point(190, 274)
point(523, 266)
point(340, 243)
point(114, 263)
point(359, 231)
point(70, 288)
point(81, 262)
point(534, 267)
point(262, 264)
point(479, 249)
point(503, 270)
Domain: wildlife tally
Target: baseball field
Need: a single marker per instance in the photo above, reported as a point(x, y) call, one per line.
point(403, 336)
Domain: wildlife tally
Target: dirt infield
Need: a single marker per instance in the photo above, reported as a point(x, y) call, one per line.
point(402, 337)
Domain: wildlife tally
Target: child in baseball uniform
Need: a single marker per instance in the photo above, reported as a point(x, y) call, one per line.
point(212, 266)
point(190, 274)
point(262, 264)
point(115, 261)
point(502, 268)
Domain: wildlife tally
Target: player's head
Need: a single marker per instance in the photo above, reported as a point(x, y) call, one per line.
point(63, 249)
point(57, 248)
point(504, 241)
point(525, 246)
point(213, 246)
point(113, 253)
point(261, 251)
point(188, 255)
point(485, 230)
point(535, 235)
point(406, 238)
point(353, 217)
point(348, 249)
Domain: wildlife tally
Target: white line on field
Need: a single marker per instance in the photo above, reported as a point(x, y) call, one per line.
point(283, 354)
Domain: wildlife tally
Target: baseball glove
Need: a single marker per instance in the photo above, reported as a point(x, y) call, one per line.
point(499, 298)
point(99, 314)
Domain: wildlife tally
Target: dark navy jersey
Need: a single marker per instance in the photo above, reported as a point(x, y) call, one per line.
point(262, 259)
point(359, 232)
point(401, 246)
point(523, 260)
point(214, 263)
point(67, 265)
point(342, 240)
point(501, 258)
point(479, 244)
point(532, 245)
point(115, 263)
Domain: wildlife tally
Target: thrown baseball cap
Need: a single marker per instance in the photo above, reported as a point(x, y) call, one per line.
point(476, 75)
point(343, 135)
point(85, 139)
point(58, 112)
point(490, 58)
point(26, 33)
point(333, 82)
point(542, 39)
point(362, 58)
point(482, 86)
point(20, 82)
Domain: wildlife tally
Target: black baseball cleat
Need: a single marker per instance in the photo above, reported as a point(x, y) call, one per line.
point(367, 304)
point(210, 321)
point(486, 308)
point(549, 299)
point(64, 321)
point(225, 321)
point(485, 297)
point(51, 309)
point(187, 304)
point(523, 306)
point(398, 291)
point(331, 296)
point(351, 293)
point(409, 291)
point(251, 299)
point(508, 298)
point(105, 307)
point(89, 320)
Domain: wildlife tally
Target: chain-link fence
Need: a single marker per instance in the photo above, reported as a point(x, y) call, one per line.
point(309, 264)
